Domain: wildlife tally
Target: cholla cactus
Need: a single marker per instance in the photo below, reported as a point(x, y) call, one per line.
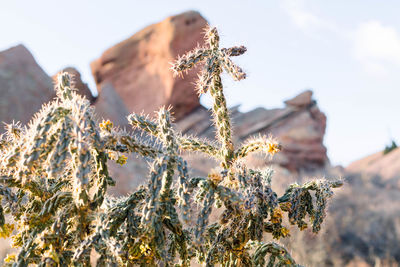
point(54, 180)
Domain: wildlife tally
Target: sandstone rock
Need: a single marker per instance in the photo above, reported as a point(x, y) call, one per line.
point(302, 100)
point(299, 129)
point(78, 84)
point(139, 67)
point(24, 86)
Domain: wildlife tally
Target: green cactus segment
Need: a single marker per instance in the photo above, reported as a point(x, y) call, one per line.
point(215, 59)
point(278, 256)
point(298, 202)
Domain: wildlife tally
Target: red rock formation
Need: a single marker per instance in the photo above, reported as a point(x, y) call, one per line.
point(134, 75)
point(24, 86)
point(77, 83)
point(299, 127)
point(139, 68)
point(302, 100)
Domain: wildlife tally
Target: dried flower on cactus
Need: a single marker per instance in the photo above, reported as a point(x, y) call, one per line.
point(106, 125)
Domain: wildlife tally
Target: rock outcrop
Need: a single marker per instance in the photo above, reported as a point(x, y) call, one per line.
point(138, 69)
point(299, 127)
point(134, 75)
point(24, 86)
point(301, 101)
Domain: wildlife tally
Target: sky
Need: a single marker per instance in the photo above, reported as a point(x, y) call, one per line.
point(347, 52)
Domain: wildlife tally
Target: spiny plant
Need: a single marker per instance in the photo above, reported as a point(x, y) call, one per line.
point(54, 181)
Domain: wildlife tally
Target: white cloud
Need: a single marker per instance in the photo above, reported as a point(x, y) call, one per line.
point(301, 18)
point(304, 19)
point(376, 46)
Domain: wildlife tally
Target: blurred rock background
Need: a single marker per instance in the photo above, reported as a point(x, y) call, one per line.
point(363, 228)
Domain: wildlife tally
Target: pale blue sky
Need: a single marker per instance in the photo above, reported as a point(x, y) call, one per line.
point(348, 52)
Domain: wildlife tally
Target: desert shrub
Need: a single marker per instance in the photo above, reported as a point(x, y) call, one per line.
point(54, 181)
point(390, 148)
